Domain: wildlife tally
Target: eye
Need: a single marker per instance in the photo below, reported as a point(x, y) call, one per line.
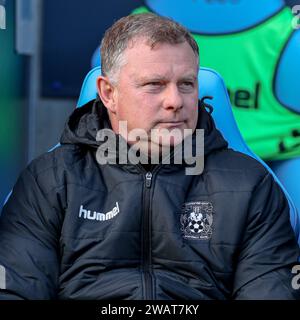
point(187, 86)
point(154, 84)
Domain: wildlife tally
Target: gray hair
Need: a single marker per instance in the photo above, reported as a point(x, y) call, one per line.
point(155, 29)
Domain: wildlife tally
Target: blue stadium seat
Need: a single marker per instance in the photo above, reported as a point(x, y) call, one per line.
point(210, 84)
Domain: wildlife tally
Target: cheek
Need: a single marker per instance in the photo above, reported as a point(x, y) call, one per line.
point(147, 107)
point(192, 105)
point(127, 105)
point(192, 111)
point(140, 113)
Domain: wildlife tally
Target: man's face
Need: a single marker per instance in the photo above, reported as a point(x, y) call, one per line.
point(157, 88)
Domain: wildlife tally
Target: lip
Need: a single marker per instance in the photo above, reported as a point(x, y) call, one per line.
point(173, 122)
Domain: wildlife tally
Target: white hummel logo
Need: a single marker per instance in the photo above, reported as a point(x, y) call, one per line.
point(87, 214)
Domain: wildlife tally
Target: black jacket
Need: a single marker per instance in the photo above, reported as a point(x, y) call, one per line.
point(74, 229)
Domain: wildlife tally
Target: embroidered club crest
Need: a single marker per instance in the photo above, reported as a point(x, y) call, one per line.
point(196, 220)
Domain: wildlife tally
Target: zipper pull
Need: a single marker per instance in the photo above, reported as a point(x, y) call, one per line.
point(148, 179)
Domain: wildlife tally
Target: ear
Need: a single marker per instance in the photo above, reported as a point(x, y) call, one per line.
point(106, 91)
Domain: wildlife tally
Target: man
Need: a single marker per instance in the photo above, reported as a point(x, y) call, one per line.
point(77, 229)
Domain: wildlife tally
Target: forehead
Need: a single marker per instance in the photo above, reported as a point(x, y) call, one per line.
point(140, 57)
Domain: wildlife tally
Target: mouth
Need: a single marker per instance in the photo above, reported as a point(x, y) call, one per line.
point(169, 124)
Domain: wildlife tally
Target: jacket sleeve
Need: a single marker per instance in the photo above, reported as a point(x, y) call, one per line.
point(28, 243)
point(269, 249)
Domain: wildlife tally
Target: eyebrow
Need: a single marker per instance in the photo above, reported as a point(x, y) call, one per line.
point(189, 77)
point(157, 77)
point(152, 77)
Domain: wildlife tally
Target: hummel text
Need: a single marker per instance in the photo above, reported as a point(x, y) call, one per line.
point(99, 216)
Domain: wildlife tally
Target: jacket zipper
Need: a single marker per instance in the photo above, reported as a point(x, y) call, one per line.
point(146, 239)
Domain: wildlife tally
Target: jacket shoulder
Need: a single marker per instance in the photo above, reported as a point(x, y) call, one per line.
point(236, 169)
point(50, 168)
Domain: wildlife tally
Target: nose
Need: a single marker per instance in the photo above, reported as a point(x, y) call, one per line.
point(173, 99)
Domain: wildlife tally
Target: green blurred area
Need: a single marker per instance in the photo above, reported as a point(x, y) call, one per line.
point(12, 113)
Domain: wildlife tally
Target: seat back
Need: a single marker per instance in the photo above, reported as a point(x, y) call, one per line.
point(210, 84)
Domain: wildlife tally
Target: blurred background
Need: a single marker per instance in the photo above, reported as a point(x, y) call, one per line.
point(46, 47)
point(45, 52)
